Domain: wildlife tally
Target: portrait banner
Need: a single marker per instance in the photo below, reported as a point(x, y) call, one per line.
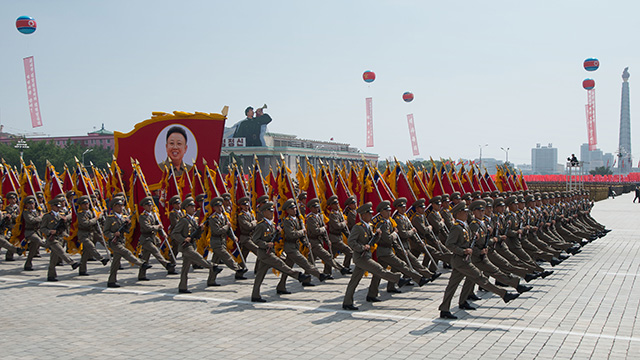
point(176, 141)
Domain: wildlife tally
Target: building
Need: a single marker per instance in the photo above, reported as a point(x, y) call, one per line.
point(544, 159)
point(100, 138)
point(625, 160)
point(293, 149)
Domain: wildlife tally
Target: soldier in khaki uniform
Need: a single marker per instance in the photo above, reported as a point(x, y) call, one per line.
point(429, 241)
point(361, 240)
point(32, 219)
point(115, 227)
point(54, 228)
point(5, 223)
point(337, 226)
point(459, 242)
point(185, 234)
point(246, 224)
point(174, 217)
point(220, 230)
point(87, 222)
point(149, 242)
point(317, 233)
point(259, 202)
point(264, 236)
point(350, 206)
point(294, 235)
point(12, 210)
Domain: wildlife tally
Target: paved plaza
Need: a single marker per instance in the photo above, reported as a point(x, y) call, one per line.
point(586, 309)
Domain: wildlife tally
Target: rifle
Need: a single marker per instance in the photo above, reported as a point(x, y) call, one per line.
point(473, 243)
point(60, 226)
point(194, 234)
point(121, 229)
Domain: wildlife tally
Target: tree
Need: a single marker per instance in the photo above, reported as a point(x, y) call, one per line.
point(601, 170)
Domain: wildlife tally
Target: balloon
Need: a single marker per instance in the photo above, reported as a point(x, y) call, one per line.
point(591, 64)
point(26, 24)
point(368, 76)
point(588, 84)
point(407, 96)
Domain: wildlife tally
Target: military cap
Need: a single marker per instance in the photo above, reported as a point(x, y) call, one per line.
point(146, 201)
point(313, 203)
point(244, 201)
point(55, 201)
point(466, 196)
point(445, 197)
point(30, 199)
point(93, 196)
point(544, 196)
point(495, 193)
point(498, 202)
point(489, 201)
point(84, 199)
point(217, 201)
point(402, 201)
point(266, 206)
point(187, 202)
point(200, 197)
point(384, 205)
point(303, 196)
point(477, 205)
point(12, 194)
point(551, 195)
point(120, 194)
point(60, 197)
point(537, 196)
point(461, 206)
point(350, 200)
point(331, 200)
point(511, 200)
point(69, 193)
point(262, 199)
point(436, 200)
point(365, 208)
point(175, 199)
point(40, 193)
point(188, 195)
point(290, 203)
point(116, 201)
point(504, 194)
point(419, 203)
point(530, 198)
point(455, 196)
point(485, 194)
point(476, 194)
point(521, 198)
point(226, 196)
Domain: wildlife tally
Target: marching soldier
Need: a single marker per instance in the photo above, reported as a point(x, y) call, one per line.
point(294, 235)
point(387, 243)
point(54, 228)
point(264, 236)
point(87, 222)
point(338, 226)
point(361, 240)
point(246, 224)
point(186, 233)
point(149, 242)
point(5, 221)
point(259, 202)
point(430, 241)
point(174, 217)
point(459, 242)
point(115, 228)
point(350, 206)
point(32, 218)
point(12, 210)
point(220, 230)
point(317, 233)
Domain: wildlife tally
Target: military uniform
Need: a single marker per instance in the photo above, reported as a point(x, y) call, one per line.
point(32, 220)
point(221, 229)
point(149, 242)
point(362, 235)
point(317, 234)
point(336, 227)
point(87, 222)
point(13, 210)
point(52, 222)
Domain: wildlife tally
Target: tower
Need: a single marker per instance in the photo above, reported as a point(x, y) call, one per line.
point(624, 148)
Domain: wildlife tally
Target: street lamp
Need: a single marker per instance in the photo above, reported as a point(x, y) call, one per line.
point(21, 145)
point(86, 151)
point(506, 152)
point(481, 146)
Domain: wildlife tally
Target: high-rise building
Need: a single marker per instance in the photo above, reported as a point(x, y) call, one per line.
point(544, 159)
point(624, 149)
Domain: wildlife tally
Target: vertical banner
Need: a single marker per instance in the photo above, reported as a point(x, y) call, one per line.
point(32, 91)
point(369, 122)
point(591, 119)
point(412, 135)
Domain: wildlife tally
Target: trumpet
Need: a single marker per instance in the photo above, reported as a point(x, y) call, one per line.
point(261, 109)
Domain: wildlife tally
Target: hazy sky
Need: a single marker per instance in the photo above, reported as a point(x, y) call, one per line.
point(502, 73)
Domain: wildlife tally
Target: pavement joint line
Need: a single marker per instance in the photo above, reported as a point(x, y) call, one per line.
point(622, 274)
point(328, 310)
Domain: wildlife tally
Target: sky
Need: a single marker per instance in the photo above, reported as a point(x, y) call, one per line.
point(507, 74)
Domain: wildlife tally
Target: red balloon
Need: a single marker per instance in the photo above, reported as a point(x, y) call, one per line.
point(368, 76)
point(588, 84)
point(407, 96)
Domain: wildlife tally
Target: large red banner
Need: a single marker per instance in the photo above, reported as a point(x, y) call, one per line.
point(32, 91)
point(177, 140)
point(591, 119)
point(412, 135)
point(369, 122)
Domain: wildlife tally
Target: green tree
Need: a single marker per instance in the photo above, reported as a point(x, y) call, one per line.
point(601, 170)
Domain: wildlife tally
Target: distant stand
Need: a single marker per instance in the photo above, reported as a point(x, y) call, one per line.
point(575, 175)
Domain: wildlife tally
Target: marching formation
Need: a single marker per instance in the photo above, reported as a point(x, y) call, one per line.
point(401, 227)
